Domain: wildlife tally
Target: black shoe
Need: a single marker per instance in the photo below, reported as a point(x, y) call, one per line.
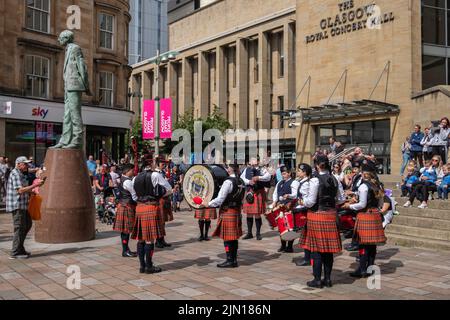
point(327, 283)
point(159, 244)
point(141, 270)
point(315, 284)
point(282, 249)
point(206, 238)
point(359, 274)
point(305, 263)
point(129, 254)
point(289, 250)
point(165, 244)
point(152, 269)
point(248, 236)
point(227, 264)
point(352, 247)
point(200, 238)
point(258, 237)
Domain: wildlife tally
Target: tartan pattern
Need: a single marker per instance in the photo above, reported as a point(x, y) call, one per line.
point(258, 207)
point(125, 218)
point(322, 234)
point(148, 226)
point(369, 227)
point(15, 201)
point(229, 225)
point(165, 206)
point(205, 214)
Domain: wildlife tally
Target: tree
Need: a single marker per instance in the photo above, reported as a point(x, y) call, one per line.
point(186, 121)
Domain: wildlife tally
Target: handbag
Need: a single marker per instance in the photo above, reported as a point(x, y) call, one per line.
point(34, 207)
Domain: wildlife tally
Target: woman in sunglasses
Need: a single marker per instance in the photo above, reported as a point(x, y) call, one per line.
point(427, 183)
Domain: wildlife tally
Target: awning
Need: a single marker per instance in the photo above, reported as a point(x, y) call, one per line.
point(340, 111)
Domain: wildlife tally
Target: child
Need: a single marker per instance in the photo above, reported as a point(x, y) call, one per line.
point(176, 198)
point(444, 186)
point(408, 181)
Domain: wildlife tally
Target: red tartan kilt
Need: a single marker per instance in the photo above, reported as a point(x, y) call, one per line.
point(322, 234)
point(205, 214)
point(148, 225)
point(125, 218)
point(258, 207)
point(165, 206)
point(369, 227)
point(229, 225)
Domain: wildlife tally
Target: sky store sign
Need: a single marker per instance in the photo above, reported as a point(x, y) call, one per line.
point(39, 112)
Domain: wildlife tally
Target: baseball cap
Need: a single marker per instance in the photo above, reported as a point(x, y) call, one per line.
point(22, 160)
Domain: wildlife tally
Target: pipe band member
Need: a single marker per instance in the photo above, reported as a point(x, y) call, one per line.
point(322, 235)
point(150, 187)
point(126, 210)
point(369, 230)
point(165, 206)
point(204, 216)
point(256, 179)
point(285, 191)
point(229, 225)
point(304, 174)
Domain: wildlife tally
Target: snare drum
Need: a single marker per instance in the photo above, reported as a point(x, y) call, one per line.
point(271, 217)
point(299, 220)
point(285, 223)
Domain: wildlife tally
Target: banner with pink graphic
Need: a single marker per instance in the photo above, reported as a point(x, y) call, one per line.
point(165, 119)
point(148, 120)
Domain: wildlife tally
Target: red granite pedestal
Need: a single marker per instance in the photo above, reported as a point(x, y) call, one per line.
point(68, 211)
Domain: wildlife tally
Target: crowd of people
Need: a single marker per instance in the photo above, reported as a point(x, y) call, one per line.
point(425, 159)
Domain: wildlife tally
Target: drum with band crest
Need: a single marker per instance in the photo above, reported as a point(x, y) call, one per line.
point(204, 182)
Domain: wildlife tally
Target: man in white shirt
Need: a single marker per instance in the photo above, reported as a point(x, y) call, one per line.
point(229, 225)
point(256, 178)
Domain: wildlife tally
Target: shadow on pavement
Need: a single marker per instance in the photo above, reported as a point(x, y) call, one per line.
point(251, 257)
point(181, 264)
point(63, 251)
point(178, 244)
point(173, 224)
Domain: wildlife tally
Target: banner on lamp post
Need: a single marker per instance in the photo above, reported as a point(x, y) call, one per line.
point(165, 119)
point(148, 120)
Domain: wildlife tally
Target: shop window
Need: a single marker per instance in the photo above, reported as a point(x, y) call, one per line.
point(37, 76)
point(381, 131)
point(433, 71)
point(344, 133)
point(37, 15)
point(324, 134)
point(435, 3)
point(106, 31)
point(362, 133)
point(106, 89)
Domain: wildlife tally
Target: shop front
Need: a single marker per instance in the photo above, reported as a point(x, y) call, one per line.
point(28, 127)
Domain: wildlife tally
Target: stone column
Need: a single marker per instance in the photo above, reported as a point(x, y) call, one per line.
point(187, 84)
point(289, 65)
point(264, 77)
point(242, 82)
point(135, 99)
point(203, 73)
point(221, 80)
point(173, 83)
point(147, 85)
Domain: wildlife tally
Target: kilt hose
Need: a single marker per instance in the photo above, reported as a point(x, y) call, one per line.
point(165, 206)
point(322, 234)
point(369, 228)
point(258, 207)
point(148, 225)
point(125, 218)
point(229, 225)
point(205, 214)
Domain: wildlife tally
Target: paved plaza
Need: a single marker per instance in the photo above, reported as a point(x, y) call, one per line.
point(190, 272)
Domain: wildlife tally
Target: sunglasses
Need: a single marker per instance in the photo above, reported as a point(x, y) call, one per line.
point(435, 160)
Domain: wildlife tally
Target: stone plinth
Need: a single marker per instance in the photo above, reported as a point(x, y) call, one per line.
point(68, 211)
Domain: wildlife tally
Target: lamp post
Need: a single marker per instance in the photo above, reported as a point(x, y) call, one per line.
point(160, 58)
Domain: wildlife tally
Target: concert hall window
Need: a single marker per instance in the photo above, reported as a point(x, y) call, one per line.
point(362, 132)
point(434, 71)
point(37, 15)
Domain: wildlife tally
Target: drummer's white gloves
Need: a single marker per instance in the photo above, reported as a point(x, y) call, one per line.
point(271, 206)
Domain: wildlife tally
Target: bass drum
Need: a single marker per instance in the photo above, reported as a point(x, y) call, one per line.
point(203, 181)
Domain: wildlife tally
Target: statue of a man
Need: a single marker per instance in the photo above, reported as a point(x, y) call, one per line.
point(75, 83)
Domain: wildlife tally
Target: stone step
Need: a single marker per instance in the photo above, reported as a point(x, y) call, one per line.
point(425, 213)
point(415, 242)
point(420, 232)
point(420, 222)
point(433, 204)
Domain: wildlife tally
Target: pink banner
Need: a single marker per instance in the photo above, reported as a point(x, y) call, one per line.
point(148, 120)
point(165, 119)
